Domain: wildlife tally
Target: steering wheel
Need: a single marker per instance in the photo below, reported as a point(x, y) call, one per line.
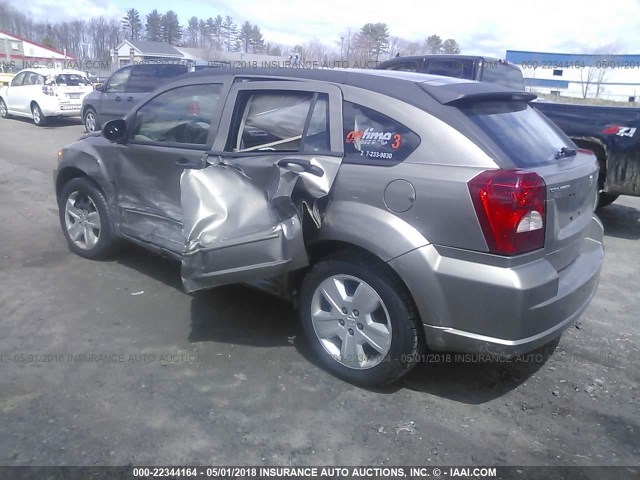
point(195, 133)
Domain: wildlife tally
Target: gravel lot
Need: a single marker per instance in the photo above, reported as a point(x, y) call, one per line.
point(224, 377)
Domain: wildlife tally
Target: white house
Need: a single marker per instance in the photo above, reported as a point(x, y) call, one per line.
point(17, 53)
point(609, 77)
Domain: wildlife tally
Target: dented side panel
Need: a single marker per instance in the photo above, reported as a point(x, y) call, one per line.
point(239, 227)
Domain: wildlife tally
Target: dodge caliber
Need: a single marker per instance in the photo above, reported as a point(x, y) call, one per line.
point(398, 211)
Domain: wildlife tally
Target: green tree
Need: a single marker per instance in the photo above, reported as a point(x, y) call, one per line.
point(131, 24)
point(171, 29)
point(373, 40)
point(229, 33)
point(450, 46)
point(246, 36)
point(154, 26)
point(433, 44)
point(193, 31)
point(257, 39)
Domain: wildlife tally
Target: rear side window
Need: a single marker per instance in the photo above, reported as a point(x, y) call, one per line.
point(146, 78)
point(526, 136)
point(281, 122)
point(373, 138)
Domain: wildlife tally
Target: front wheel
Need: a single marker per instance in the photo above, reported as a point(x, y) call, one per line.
point(4, 111)
point(360, 320)
point(90, 120)
point(85, 220)
point(38, 118)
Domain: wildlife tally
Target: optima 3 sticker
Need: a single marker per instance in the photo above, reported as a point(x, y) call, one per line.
point(371, 137)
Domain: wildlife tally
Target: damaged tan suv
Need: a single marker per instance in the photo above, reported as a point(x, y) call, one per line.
point(398, 211)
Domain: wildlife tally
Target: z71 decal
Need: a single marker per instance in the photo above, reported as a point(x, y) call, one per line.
point(619, 131)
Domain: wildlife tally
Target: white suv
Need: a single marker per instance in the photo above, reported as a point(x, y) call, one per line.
point(40, 93)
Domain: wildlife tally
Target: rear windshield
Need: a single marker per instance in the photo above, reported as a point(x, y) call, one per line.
point(502, 74)
point(526, 136)
point(71, 80)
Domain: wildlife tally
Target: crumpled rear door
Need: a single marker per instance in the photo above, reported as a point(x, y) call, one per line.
point(243, 215)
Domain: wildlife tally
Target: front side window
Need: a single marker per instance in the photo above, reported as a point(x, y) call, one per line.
point(17, 80)
point(373, 138)
point(118, 81)
point(281, 122)
point(182, 115)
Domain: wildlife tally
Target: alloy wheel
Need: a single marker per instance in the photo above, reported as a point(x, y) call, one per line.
point(82, 220)
point(351, 321)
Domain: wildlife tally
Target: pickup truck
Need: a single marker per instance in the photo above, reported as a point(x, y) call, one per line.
point(609, 132)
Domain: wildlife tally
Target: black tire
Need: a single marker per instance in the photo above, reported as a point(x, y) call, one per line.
point(406, 336)
point(107, 243)
point(38, 117)
point(87, 113)
point(4, 112)
point(605, 199)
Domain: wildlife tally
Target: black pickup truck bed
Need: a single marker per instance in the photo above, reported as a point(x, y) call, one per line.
point(612, 133)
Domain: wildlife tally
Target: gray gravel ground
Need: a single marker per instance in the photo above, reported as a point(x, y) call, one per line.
point(224, 377)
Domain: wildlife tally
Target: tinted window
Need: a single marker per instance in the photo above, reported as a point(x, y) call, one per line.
point(502, 74)
point(118, 80)
point(519, 130)
point(71, 80)
point(275, 121)
point(17, 80)
point(370, 137)
point(146, 78)
point(404, 67)
point(181, 115)
point(447, 68)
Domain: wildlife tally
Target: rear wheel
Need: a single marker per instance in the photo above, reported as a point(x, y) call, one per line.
point(605, 199)
point(4, 112)
point(85, 220)
point(38, 118)
point(90, 120)
point(360, 320)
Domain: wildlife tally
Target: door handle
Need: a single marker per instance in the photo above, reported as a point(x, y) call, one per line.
point(192, 164)
point(118, 98)
point(298, 165)
point(129, 99)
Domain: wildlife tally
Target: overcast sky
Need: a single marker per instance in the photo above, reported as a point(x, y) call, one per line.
point(488, 27)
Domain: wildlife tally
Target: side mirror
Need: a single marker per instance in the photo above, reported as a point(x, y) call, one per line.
point(99, 87)
point(115, 130)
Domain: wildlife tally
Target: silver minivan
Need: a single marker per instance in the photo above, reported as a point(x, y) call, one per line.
point(398, 211)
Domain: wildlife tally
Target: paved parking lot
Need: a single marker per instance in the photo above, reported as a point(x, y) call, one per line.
point(112, 363)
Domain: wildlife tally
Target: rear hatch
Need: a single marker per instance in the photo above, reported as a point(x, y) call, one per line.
point(71, 88)
point(530, 142)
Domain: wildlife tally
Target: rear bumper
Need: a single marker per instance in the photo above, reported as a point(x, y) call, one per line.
point(477, 308)
point(56, 109)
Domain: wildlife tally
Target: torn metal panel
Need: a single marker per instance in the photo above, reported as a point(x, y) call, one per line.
point(238, 229)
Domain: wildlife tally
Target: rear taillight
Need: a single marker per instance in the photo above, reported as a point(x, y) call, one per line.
point(48, 90)
point(510, 205)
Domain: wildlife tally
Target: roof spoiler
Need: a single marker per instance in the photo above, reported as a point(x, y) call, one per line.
point(461, 93)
